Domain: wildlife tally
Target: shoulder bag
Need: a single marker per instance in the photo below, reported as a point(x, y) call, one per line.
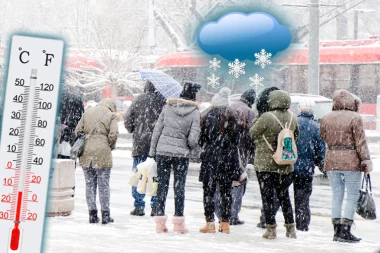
point(366, 205)
point(78, 147)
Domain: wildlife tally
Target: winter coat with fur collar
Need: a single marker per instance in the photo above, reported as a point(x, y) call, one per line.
point(177, 130)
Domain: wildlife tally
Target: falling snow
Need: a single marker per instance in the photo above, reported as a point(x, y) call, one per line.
point(213, 81)
point(262, 58)
point(256, 82)
point(62, 233)
point(236, 68)
point(215, 64)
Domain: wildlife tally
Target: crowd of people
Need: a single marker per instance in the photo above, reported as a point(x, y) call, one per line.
point(226, 137)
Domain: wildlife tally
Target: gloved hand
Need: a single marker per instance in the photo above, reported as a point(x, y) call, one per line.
point(366, 166)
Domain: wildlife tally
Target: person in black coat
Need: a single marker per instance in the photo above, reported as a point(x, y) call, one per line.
point(311, 152)
point(219, 139)
point(72, 110)
point(246, 116)
point(140, 120)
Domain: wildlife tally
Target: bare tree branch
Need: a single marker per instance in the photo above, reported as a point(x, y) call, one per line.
point(169, 29)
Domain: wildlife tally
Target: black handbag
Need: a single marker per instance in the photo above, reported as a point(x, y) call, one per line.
point(366, 205)
point(78, 147)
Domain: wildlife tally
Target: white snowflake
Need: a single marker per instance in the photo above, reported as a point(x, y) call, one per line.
point(236, 68)
point(213, 81)
point(256, 82)
point(262, 58)
point(214, 64)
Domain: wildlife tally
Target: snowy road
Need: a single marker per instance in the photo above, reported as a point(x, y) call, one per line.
point(137, 234)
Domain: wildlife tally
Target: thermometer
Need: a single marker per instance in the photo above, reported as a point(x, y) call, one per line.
point(27, 139)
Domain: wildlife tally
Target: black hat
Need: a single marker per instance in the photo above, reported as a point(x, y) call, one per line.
point(189, 90)
point(249, 96)
point(149, 87)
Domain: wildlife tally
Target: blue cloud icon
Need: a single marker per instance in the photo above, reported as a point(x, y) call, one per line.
point(239, 35)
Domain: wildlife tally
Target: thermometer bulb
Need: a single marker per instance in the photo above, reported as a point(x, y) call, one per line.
point(15, 236)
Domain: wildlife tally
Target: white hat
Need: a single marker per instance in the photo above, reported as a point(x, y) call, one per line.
point(307, 105)
point(222, 98)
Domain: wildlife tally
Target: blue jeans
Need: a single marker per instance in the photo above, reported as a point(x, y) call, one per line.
point(339, 181)
point(139, 198)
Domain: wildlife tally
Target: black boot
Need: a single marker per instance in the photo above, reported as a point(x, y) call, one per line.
point(93, 216)
point(153, 212)
point(262, 222)
point(106, 217)
point(236, 222)
point(337, 225)
point(137, 212)
point(260, 225)
point(345, 232)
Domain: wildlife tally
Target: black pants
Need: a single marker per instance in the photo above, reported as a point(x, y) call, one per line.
point(270, 182)
point(276, 207)
point(209, 189)
point(180, 166)
point(237, 194)
point(303, 186)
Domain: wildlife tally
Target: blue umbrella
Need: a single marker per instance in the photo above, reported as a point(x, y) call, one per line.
point(163, 83)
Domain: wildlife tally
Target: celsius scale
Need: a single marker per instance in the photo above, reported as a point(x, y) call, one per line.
point(27, 139)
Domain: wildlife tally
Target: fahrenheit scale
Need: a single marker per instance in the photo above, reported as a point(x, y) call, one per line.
point(28, 127)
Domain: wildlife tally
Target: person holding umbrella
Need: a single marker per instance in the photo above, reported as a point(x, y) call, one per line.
point(140, 119)
point(175, 134)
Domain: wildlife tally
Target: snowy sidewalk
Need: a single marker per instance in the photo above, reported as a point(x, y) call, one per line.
point(137, 234)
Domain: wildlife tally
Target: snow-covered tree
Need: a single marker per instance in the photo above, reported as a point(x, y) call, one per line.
point(113, 50)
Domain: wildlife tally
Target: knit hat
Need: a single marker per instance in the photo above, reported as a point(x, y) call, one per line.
point(222, 98)
point(307, 105)
point(189, 90)
point(249, 96)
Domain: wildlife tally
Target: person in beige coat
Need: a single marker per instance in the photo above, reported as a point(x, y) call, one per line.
point(96, 159)
point(346, 157)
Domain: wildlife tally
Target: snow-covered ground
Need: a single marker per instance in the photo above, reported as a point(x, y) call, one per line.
point(137, 234)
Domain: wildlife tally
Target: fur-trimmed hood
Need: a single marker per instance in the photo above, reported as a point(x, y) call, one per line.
point(343, 100)
point(181, 106)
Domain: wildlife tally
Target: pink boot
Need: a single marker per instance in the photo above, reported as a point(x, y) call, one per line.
point(179, 225)
point(161, 224)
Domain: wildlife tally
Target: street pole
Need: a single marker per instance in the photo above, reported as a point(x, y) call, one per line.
point(151, 33)
point(356, 24)
point(313, 81)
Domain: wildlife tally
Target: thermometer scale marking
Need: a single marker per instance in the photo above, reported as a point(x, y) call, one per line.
point(28, 129)
point(26, 140)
